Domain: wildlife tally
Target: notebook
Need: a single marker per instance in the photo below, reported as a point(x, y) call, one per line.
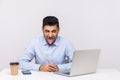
point(84, 62)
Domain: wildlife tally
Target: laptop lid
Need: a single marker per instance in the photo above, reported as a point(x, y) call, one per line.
point(84, 62)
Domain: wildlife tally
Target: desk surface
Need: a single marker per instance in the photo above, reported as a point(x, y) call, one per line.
point(101, 74)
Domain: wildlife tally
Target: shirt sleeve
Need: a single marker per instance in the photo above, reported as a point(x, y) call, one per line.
point(27, 57)
point(69, 55)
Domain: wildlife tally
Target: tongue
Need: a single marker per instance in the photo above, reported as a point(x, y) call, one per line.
point(50, 41)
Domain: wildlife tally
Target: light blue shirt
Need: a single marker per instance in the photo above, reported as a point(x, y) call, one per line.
point(43, 53)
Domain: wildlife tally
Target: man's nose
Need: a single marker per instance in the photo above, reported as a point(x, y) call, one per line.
point(50, 34)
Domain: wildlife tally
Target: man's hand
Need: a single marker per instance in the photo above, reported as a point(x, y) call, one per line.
point(50, 67)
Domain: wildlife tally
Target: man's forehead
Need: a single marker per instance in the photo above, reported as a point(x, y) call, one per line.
point(50, 27)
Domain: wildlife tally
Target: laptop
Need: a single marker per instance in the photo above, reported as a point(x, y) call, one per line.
point(84, 62)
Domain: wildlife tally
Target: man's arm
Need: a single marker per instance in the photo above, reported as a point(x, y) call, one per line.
point(26, 64)
point(69, 56)
point(26, 58)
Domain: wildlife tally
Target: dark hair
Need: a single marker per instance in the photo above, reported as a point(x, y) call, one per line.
point(50, 20)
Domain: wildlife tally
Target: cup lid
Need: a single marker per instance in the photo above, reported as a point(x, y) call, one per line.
point(14, 63)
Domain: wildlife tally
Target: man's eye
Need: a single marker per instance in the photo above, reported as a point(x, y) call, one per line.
point(54, 31)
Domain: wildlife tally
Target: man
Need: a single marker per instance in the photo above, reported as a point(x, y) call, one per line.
point(50, 51)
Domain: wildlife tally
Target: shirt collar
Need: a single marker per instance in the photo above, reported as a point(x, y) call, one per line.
point(54, 44)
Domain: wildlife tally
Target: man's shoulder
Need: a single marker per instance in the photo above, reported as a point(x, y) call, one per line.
point(36, 39)
point(64, 40)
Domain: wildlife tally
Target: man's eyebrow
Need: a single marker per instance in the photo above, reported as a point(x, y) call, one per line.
point(53, 30)
point(46, 30)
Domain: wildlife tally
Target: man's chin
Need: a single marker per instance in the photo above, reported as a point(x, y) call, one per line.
point(50, 43)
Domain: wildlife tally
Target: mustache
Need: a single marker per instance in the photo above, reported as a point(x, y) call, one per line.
point(51, 37)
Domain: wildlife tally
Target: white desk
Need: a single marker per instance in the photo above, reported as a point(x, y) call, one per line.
point(101, 74)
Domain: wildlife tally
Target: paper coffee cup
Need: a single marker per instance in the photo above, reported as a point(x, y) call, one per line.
point(14, 68)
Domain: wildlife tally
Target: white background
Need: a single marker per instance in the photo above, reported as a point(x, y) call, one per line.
point(87, 24)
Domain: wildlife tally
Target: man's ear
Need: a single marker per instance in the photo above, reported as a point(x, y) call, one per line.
point(42, 28)
point(58, 30)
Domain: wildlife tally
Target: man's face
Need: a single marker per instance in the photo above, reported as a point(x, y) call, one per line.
point(50, 33)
